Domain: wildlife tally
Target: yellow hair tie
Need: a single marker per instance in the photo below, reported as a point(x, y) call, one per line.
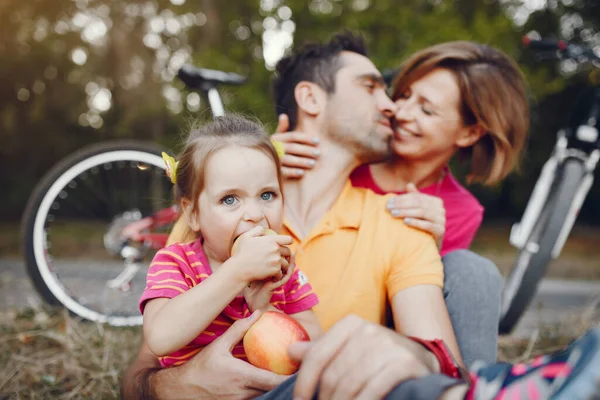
point(171, 165)
point(278, 148)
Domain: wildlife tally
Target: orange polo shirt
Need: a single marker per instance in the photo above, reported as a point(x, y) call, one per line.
point(358, 257)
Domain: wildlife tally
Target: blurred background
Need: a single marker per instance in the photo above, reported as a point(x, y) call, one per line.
point(77, 72)
point(85, 71)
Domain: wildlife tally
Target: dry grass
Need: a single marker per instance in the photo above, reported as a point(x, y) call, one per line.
point(48, 354)
point(578, 260)
point(547, 338)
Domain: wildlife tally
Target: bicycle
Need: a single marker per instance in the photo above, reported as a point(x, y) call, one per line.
point(559, 192)
point(114, 197)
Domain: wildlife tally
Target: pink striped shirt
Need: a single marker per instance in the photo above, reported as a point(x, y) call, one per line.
point(179, 267)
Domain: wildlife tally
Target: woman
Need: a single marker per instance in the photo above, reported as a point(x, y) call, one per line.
point(454, 99)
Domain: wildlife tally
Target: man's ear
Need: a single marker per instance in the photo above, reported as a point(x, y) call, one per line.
point(310, 98)
point(190, 216)
point(470, 136)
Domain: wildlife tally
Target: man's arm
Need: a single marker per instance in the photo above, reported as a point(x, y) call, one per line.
point(414, 285)
point(212, 373)
point(135, 379)
point(420, 311)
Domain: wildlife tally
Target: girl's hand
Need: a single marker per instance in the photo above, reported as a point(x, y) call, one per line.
point(259, 256)
point(301, 149)
point(258, 294)
point(421, 211)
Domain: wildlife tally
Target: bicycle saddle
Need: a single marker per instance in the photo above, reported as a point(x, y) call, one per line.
point(203, 78)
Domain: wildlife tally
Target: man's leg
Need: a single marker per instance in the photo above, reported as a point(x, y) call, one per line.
point(473, 289)
point(571, 373)
point(429, 387)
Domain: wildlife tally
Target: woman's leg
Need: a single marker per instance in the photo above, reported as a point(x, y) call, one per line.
point(473, 289)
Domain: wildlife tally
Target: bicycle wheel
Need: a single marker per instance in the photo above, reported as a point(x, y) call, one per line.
point(71, 210)
point(533, 260)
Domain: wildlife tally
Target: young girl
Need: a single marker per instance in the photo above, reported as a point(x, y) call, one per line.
point(228, 184)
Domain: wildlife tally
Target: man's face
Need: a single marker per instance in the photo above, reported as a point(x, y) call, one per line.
point(358, 113)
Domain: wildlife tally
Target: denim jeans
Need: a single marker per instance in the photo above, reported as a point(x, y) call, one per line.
point(472, 289)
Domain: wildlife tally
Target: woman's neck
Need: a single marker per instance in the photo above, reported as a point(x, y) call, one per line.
point(393, 175)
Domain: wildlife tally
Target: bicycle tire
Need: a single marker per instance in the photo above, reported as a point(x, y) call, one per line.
point(545, 234)
point(36, 248)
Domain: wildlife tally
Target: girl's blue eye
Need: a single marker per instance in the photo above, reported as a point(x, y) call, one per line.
point(267, 196)
point(228, 200)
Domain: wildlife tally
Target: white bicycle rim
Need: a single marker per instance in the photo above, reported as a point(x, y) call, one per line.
point(53, 284)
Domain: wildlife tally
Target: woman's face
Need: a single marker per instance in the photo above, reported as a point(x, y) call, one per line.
point(428, 124)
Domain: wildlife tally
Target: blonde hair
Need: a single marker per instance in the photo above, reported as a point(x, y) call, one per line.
point(201, 143)
point(492, 93)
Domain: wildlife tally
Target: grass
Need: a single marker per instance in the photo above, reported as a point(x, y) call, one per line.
point(45, 353)
point(579, 258)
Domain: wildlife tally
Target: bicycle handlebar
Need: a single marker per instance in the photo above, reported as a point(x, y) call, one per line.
point(545, 44)
point(560, 49)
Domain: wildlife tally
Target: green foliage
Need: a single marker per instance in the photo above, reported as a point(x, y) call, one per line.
point(45, 95)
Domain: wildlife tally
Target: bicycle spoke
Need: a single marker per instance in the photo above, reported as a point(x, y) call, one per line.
point(74, 226)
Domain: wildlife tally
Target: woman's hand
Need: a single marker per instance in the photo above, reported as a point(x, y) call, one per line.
point(258, 294)
point(259, 256)
point(301, 151)
point(421, 211)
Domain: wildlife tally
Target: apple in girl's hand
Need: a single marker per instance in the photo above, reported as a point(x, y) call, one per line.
point(267, 232)
point(266, 342)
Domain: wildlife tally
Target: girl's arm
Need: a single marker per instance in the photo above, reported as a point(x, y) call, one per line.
point(309, 321)
point(170, 324)
point(420, 311)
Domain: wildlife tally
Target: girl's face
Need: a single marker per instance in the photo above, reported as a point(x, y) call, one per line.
point(428, 123)
point(241, 191)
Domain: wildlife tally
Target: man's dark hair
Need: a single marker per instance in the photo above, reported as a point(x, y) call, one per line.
point(312, 62)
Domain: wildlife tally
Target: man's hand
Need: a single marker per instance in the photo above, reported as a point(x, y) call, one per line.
point(215, 373)
point(301, 150)
point(358, 359)
point(421, 211)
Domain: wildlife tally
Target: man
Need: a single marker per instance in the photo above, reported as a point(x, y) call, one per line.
point(339, 232)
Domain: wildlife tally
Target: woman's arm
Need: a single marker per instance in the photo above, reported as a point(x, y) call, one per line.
point(420, 311)
point(170, 324)
point(309, 321)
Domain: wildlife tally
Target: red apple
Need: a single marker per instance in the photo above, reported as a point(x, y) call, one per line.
point(266, 342)
point(267, 232)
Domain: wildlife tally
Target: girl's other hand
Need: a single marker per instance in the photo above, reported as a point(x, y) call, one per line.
point(258, 294)
point(259, 256)
point(421, 211)
point(301, 149)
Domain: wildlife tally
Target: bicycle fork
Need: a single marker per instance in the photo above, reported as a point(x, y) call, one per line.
point(521, 231)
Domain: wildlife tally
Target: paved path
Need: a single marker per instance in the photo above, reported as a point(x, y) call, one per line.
point(557, 302)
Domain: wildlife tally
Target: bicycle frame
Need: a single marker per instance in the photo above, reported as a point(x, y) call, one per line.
point(521, 231)
point(118, 242)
